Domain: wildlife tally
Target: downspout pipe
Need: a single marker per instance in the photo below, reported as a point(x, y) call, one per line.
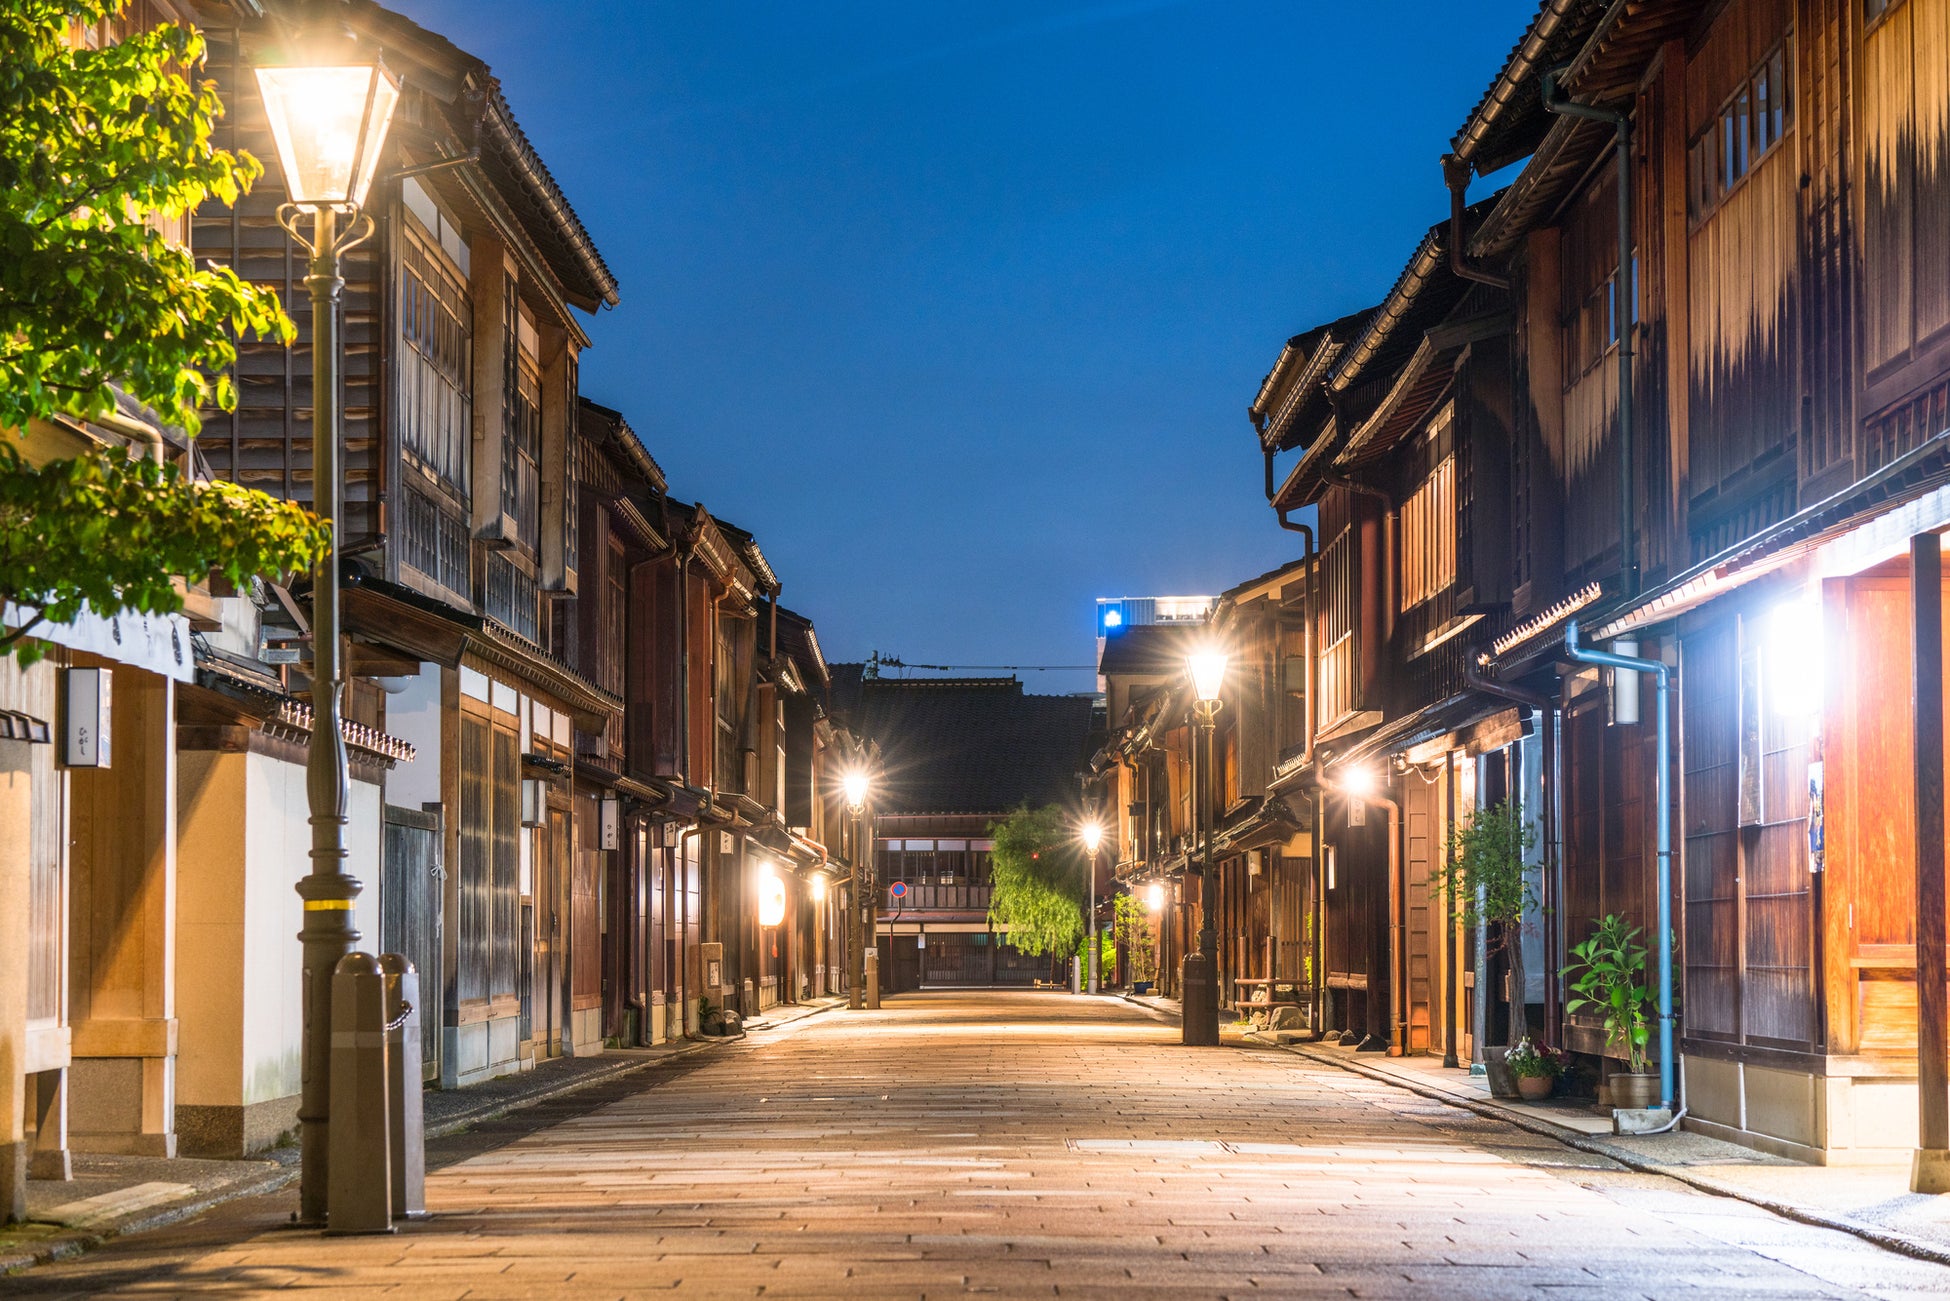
point(1624, 305)
point(1477, 676)
point(1455, 174)
point(1662, 676)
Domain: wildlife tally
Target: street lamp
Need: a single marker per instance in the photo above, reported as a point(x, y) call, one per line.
point(863, 959)
point(1200, 973)
point(328, 118)
point(1093, 838)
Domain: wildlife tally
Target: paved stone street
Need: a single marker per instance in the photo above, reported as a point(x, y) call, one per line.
point(1017, 1145)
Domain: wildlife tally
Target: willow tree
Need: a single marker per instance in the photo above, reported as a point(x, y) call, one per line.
point(101, 151)
point(1039, 876)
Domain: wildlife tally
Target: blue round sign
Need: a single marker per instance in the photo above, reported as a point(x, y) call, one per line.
point(898, 889)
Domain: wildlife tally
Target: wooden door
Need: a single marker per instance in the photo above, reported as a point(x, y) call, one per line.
point(410, 914)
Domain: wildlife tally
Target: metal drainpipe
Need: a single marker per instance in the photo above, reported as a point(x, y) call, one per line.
point(1455, 174)
point(1624, 304)
point(1553, 861)
point(1452, 978)
point(1662, 674)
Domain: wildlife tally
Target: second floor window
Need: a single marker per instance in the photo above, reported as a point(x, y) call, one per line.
point(436, 406)
point(1745, 130)
point(521, 446)
point(1429, 536)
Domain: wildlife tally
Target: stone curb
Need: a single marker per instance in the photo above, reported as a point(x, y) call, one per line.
point(1888, 1239)
point(67, 1243)
point(64, 1244)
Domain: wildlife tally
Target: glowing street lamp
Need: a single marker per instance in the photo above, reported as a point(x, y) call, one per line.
point(863, 918)
point(1201, 969)
point(855, 783)
point(1093, 838)
point(328, 114)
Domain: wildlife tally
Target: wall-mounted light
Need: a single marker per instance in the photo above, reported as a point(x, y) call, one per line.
point(771, 899)
point(819, 887)
point(1154, 897)
point(534, 801)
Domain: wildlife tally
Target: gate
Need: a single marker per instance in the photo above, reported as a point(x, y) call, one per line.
point(410, 914)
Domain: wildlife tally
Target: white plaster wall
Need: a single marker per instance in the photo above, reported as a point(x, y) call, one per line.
point(414, 715)
point(365, 839)
point(277, 847)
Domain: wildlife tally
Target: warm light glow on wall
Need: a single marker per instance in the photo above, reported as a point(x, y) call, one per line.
point(771, 899)
point(1794, 656)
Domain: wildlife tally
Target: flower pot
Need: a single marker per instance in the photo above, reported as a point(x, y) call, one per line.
point(1496, 1066)
point(1634, 1092)
point(1535, 1088)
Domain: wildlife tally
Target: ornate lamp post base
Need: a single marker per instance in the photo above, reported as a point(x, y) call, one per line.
point(1200, 990)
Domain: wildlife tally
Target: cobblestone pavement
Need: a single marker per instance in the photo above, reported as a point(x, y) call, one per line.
point(1015, 1145)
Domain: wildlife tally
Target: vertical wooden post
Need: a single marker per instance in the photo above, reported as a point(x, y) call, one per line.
point(1930, 1171)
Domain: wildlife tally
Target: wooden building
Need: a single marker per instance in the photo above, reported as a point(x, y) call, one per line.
point(1700, 424)
point(956, 755)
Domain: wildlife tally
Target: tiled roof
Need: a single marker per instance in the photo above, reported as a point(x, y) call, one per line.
point(1149, 649)
point(971, 745)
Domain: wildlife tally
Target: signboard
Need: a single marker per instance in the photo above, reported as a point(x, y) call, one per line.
point(85, 717)
point(898, 889)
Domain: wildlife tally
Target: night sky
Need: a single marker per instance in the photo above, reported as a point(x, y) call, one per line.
point(959, 308)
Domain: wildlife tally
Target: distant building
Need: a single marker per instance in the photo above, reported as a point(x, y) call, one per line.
point(957, 754)
point(1115, 613)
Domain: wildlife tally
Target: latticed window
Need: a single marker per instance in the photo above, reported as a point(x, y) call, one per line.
point(521, 443)
point(511, 597)
point(433, 540)
point(1429, 536)
point(436, 402)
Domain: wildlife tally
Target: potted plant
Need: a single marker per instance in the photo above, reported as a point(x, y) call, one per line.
point(1486, 883)
point(1609, 979)
point(1140, 945)
point(1536, 1068)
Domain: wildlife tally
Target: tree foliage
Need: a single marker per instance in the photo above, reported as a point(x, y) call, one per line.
point(95, 145)
point(100, 149)
point(1487, 883)
point(1610, 980)
point(110, 532)
point(1140, 940)
point(1039, 876)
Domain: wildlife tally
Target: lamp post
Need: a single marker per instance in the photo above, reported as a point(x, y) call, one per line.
point(328, 119)
point(1200, 974)
point(1093, 838)
point(859, 917)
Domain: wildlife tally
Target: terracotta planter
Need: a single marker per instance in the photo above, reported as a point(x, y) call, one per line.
point(1535, 1088)
point(1634, 1092)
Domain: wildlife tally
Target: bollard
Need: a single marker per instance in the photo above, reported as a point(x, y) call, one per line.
point(406, 1126)
point(359, 1191)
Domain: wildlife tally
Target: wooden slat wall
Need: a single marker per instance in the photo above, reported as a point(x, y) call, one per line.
point(1827, 328)
point(266, 442)
point(1712, 862)
point(1742, 262)
point(506, 950)
point(471, 966)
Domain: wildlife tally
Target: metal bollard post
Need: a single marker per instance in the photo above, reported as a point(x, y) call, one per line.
point(406, 1126)
point(359, 1193)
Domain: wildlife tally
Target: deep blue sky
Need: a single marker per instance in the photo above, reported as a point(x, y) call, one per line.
point(959, 308)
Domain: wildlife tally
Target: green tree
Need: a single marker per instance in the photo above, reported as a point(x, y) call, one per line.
point(99, 150)
point(1140, 942)
point(1486, 883)
point(1039, 876)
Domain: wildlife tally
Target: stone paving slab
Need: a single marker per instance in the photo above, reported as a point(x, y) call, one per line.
point(1017, 1145)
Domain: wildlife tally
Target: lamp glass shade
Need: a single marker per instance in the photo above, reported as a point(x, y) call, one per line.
point(819, 888)
point(1208, 673)
point(1154, 897)
point(1093, 835)
point(856, 790)
point(771, 900)
point(329, 125)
